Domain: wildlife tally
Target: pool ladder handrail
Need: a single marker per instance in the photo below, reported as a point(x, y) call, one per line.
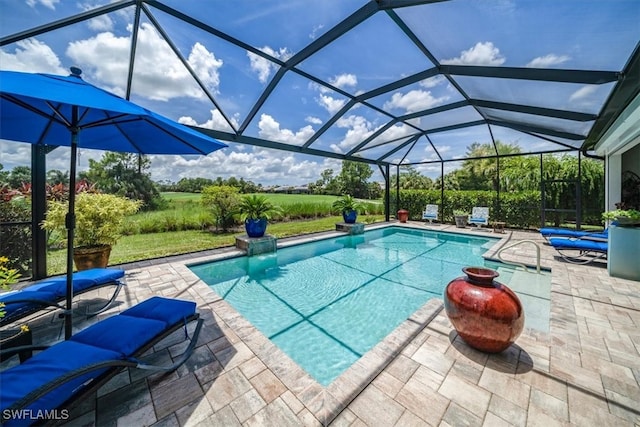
point(519, 242)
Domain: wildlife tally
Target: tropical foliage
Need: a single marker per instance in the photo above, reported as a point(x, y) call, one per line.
point(255, 206)
point(347, 203)
point(99, 218)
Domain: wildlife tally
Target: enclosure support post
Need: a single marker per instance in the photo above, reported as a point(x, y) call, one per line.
point(38, 209)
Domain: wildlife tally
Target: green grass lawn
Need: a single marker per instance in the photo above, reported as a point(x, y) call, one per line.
point(154, 245)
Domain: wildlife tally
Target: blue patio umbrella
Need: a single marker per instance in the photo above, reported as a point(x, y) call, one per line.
point(53, 110)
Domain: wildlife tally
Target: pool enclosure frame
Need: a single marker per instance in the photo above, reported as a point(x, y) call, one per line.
point(626, 87)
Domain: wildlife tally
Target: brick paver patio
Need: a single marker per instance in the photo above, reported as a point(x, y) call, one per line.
point(586, 371)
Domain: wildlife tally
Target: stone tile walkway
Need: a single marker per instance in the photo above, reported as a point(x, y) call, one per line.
point(585, 371)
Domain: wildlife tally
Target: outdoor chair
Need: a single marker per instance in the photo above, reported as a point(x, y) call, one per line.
point(51, 292)
point(62, 375)
point(479, 216)
point(430, 213)
point(580, 251)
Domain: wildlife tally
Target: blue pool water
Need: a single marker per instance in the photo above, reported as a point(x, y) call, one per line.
point(327, 303)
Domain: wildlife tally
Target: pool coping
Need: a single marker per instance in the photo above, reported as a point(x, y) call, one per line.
point(325, 403)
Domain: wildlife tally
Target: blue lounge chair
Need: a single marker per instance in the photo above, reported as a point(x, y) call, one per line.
point(62, 375)
point(580, 251)
point(51, 292)
point(549, 232)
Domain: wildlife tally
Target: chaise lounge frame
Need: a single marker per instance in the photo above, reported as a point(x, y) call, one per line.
point(39, 304)
point(113, 367)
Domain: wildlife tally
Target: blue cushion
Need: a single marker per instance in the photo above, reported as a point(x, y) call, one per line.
point(552, 231)
point(579, 244)
point(48, 365)
point(100, 275)
point(109, 334)
point(82, 280)
point(12, 308)
point(167, 310)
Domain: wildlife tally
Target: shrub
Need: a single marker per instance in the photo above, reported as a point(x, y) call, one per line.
point(99, 218)
point(223, 201)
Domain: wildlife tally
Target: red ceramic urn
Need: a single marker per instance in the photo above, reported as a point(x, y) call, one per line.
point(486, 314)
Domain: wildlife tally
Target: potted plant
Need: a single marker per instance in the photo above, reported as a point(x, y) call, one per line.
point(623, 216)
point(8, 276)
point(99, 219)
point(461, 218)
point(255, 211)
point(349, 208)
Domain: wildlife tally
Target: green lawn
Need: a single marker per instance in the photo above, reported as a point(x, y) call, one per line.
point(153, 245)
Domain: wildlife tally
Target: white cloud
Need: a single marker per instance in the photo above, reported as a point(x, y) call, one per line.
point(358, 129)
point(99, 23)
point(480, 54)
point(262, 66)
point(159, 74)
point(331, 104)
point(32, 56)
point(344, 80)
point(583, 93)
point(548, 60)
point(313, 120)
point(432, 81)
point(395, 133)
point(414, 100)
point(217, 122)
point(270, 129)
point(314, 32)
point(50, 4)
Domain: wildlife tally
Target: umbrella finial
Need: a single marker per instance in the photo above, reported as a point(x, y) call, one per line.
point(75, 72)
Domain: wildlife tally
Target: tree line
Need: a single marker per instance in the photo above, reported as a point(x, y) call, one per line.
point(129, 175)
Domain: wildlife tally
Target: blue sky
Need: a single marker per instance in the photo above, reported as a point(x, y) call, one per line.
point(569, 34)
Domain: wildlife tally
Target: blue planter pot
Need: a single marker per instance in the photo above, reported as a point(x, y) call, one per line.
point(350, 216)
point(255, 227)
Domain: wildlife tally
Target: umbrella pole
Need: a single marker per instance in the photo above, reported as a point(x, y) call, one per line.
point(71, 224)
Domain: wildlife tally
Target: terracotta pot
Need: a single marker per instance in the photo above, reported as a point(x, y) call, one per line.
point(486, 314)
point(403, 215)
point(91, 257)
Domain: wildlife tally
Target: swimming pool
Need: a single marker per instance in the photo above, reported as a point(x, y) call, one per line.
point(327, 303)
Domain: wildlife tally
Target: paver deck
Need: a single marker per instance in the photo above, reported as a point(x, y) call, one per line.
point(585, 371)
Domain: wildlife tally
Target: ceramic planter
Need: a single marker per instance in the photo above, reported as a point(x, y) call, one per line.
point(486, 314)
point(350, 216)
point(255, 227)
point(86, 258)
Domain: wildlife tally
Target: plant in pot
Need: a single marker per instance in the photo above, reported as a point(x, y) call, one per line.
point(8, 276)
point(349, 208)
point(461, 217)
point(624, 217)
point(255, 211)
point(99, 220)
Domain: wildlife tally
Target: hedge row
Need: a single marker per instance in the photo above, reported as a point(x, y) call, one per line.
point(520, 210)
